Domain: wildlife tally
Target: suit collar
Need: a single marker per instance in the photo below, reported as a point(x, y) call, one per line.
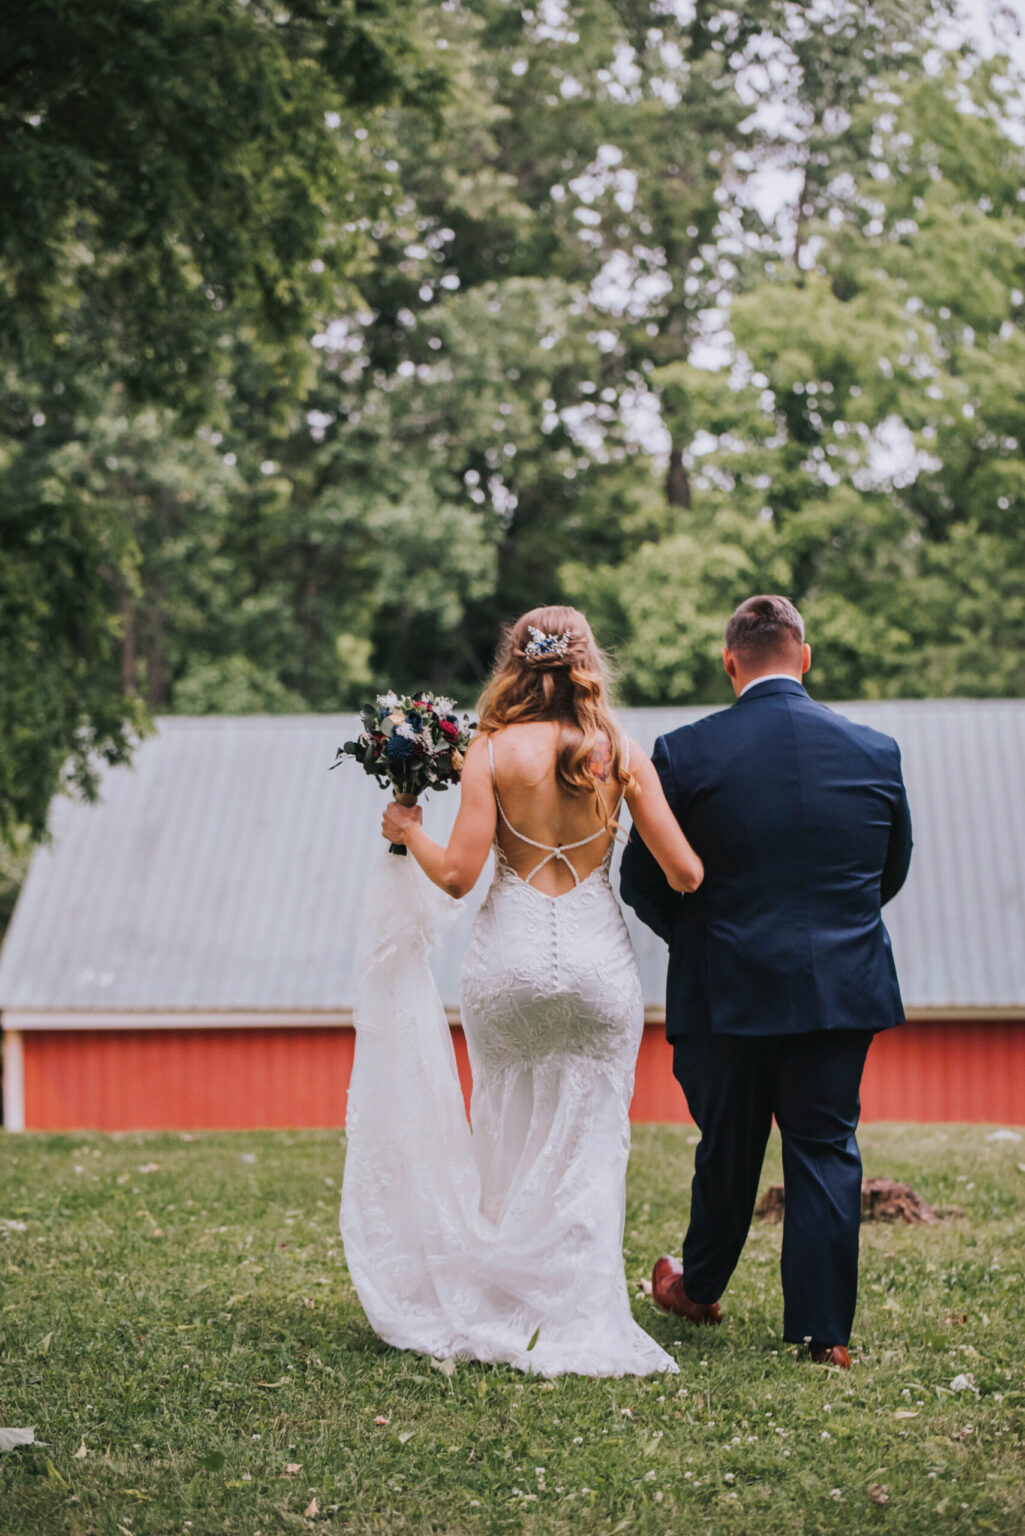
point(773, 685)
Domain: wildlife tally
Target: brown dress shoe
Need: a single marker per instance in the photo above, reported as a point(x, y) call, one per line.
point(668, 1294)
point(831, 1354)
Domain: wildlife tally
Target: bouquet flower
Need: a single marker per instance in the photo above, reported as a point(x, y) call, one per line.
point(412, 742)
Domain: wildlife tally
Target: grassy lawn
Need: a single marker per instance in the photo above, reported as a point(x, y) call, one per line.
point(177, 1324)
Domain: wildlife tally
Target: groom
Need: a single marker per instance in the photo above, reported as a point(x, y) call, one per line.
point(780, 968)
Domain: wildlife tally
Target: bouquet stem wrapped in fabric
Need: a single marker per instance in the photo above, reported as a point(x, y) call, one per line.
point(410, 743)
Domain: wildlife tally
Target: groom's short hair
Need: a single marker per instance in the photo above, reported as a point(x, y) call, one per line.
point(764, 626)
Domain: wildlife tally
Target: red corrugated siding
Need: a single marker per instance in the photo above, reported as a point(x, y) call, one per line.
point(191, 1079)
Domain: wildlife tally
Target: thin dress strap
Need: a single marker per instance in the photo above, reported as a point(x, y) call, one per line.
point(551, 851)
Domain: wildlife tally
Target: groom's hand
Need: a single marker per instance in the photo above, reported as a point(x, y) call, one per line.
point(398, 821)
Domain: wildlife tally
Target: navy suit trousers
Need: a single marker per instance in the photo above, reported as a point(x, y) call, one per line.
point(734, 1085)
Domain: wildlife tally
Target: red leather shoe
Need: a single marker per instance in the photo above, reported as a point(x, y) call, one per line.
point(831, 1354)
point(668, 1294)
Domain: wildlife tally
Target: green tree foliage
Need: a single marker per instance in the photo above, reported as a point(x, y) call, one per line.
point(172, 177)
point(860, 448)
point(161, 162)
point(339, 334)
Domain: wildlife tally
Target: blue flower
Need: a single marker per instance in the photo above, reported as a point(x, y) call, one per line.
point(399, 747)
point(382, 714)
point(414, 718)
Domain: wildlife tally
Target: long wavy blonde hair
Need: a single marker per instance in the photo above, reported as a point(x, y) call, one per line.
point(572, 688)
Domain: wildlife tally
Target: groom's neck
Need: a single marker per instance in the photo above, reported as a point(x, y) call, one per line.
point(742, 679)
point(744, 669)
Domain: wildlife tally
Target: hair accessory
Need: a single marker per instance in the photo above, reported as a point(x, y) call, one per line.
point(540, 647)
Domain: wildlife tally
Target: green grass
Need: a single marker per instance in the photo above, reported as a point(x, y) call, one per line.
point(177, 1324)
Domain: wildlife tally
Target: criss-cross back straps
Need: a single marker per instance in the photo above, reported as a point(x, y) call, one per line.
point(552, 851)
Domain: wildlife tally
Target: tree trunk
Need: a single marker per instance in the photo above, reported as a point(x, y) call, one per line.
point(677, 479)
point(128, 679)
point(156, 675)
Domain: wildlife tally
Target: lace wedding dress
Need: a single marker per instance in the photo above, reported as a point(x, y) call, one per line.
point(504, 1243)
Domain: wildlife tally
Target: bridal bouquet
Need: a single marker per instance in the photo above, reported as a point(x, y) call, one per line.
point(412, 742)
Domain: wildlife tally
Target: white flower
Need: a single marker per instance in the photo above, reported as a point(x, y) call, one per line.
point(388, 700)
point(445, 706)
point(405, 729)
point(963, 1383)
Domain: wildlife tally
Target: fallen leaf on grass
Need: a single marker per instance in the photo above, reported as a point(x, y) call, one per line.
point(879, 1493)
point(381, 1419)
point(956, 1317)
point(404, 1435)
point(645, 1287)
point(446, 1367)
point(963, 1434)
point(292, 1467)
point(312, 1508)
point(12, 1226)
point(81, 1453)
point(906, 1413)
point(9, 1438)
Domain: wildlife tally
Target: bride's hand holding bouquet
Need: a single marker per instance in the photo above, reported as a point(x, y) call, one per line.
point(410, 743)
point(398, 821)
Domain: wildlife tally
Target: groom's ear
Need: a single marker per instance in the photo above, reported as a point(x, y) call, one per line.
point(730, 663)
point(805, 657)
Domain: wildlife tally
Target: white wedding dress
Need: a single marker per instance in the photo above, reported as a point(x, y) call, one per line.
point(504, 1244)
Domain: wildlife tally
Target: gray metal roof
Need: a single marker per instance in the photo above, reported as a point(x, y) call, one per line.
point(223, 869)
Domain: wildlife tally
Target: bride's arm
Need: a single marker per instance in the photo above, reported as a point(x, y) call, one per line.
point(658, 828)
point(457, 866)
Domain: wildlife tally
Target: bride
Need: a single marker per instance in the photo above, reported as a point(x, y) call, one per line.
point(506, 1244)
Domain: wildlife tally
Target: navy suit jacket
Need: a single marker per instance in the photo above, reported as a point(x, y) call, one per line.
point(802, 821)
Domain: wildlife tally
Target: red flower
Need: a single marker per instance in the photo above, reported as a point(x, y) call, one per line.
point(449, 729)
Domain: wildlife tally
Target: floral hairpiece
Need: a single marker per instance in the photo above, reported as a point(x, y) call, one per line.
point(541, 647)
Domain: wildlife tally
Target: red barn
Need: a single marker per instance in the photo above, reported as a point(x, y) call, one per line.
point(181, 954)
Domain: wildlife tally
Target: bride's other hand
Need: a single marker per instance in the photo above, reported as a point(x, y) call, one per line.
point(658, 827)
point(398, 822)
